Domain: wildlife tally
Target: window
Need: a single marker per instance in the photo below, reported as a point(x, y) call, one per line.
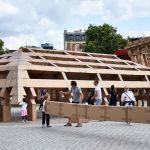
point(72, 66)
point(133, 78)
point(110, 77)
point(77, 37)
point(41, 63)
point(37, 74)
point(59, 58)
point(89, 60)
point(81, 76)
point(3, 74)
point(35, 57)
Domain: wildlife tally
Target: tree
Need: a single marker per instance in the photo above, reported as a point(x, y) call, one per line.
point(103, 39)
point(2, 50)
point(1, 47)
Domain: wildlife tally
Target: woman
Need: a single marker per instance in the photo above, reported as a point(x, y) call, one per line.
point(45, 117)
point(113, 96)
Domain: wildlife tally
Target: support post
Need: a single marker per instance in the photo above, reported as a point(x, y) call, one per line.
point(31, 108)
point(5, 109)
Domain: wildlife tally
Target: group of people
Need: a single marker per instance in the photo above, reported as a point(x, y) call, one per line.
point(127, 98)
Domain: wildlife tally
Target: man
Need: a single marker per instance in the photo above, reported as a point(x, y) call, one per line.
point(77, 96)
point(128, 99)
point(98, 94)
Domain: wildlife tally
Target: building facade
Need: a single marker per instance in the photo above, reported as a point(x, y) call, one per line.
point(139, 51)
point(74, 41)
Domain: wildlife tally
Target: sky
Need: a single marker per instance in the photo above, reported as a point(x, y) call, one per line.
point(32, 22)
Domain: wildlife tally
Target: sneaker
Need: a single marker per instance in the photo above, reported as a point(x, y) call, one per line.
point(48, 126)
point(43, 125)
point(68, 124)
point(79, 125)
point(130, 124)
point(22, 121)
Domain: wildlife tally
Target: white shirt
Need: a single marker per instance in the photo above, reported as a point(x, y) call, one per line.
point(127, 96)
point(23, 105)
point(98, 92)
point(43, 108)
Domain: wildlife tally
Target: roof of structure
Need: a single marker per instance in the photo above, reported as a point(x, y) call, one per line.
point(37, 68)
point(138, 42)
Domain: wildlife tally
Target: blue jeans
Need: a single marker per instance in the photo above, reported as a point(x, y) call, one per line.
point(98, 101)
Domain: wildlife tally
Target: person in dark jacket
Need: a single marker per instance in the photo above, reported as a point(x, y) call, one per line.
point(91, 94)
point(113, 96)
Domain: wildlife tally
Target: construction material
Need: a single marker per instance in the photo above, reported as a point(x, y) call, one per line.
point(104, 113)
point(26, 71)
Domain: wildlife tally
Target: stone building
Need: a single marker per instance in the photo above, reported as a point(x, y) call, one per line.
point(74, 41)
point(139, 51)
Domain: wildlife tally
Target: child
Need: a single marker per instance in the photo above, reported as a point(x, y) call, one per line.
point(44, 115)
point(23, 110)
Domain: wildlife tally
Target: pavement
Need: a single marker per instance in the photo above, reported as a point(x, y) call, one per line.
point(95, 135)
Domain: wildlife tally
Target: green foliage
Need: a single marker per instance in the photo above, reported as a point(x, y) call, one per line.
point(2, 50)
point(103, 39)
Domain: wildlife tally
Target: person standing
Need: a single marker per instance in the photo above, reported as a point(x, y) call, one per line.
point(128, 99)
point(113, 96)
point(91, 94)
point(97, 93)
point(76, 94)
point(45, 117)
point(23, 104)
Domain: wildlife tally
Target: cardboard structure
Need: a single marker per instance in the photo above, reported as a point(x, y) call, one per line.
point(25, 71)
point(104, 113)
point(139, 51)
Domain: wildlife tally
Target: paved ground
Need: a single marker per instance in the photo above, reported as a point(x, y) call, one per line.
point(93, 135)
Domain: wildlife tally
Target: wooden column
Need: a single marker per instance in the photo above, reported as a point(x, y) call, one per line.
point(31, 108)
point(5, 109)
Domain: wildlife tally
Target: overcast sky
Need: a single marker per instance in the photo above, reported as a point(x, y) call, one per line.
point(32, 22)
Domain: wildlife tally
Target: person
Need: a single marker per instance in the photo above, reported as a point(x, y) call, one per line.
point(97, 94)
point(128, 99)
point(42, 92)
point(44, 115)
point(113, 96)
point(91, 94)
point(23, 104)
point(77, 96)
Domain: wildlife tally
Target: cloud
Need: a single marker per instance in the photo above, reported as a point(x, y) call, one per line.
point(127, 9)
point(88, 7)
point(32, 22)
point(7, 9)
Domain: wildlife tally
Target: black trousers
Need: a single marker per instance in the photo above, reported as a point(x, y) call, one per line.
point(45, 117)
point(113, 103)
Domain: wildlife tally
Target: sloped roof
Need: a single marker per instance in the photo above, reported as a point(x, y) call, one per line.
point(138, 43)
point(37, 68)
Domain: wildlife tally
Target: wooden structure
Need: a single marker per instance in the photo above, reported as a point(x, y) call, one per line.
point(104, 113)
point(139, 51)
point(27, 70)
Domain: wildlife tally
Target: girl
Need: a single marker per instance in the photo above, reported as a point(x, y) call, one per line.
point(23, 104)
